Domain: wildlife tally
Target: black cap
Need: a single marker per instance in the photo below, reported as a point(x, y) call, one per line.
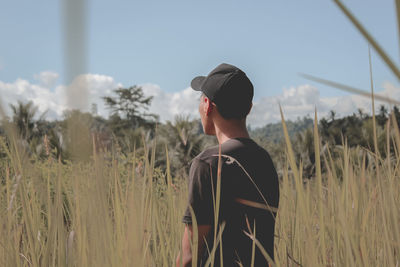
point(229, 88)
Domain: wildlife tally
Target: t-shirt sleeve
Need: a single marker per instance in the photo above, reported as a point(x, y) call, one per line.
point(200, 194)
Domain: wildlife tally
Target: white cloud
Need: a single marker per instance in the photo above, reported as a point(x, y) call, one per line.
point(54, 100)
point(22, 90)
point(295, 101)
point(47, 79)
point(302, 100)
point(169, 105)
point(98, 86)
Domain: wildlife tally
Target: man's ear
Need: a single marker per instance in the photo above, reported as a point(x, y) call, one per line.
point(208, 106)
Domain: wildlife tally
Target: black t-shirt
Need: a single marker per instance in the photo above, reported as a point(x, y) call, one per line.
point(247, 173)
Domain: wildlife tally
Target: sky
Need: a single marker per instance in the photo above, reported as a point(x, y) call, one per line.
point(162, 45)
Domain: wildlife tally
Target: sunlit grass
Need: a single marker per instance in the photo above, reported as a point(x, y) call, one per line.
point(110, 211)
point(350, 219)
point(117, 210)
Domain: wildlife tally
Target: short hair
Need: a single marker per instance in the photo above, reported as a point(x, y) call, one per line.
point(233, 111)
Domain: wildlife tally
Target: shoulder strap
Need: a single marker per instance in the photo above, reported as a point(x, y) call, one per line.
point(231, 160)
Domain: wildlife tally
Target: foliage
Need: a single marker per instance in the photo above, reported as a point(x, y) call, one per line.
point(184, 140)
point(130, 104)
point(273, 131)
point(23, 118)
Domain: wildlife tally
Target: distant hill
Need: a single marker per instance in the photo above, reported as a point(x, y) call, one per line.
point(273, 132)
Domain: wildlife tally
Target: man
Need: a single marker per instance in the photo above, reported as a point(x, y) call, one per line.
point(248, 183)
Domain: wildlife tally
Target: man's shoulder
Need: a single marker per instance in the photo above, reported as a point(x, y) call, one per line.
point(208, 156)
point(234, 147)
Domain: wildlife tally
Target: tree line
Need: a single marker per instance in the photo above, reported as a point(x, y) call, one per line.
point(130, 127)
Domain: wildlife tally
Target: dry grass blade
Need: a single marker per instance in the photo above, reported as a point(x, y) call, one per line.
point(210, 260)
point(253, 246)
point(398, 17)
point(396, 131)
point(261, 248)
point(217, 203)
point(373, 104)
point(350, 89)
point(291, 157)
point(319, 184)
point(369, 38)
point(75, 50)
point(195, 240)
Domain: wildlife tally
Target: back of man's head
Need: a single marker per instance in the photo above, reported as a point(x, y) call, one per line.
point(229, 89)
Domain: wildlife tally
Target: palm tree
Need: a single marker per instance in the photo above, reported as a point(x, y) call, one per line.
point(381, 118)
point(184, 140)
point(332, 115)
point(23, 115)
point(304, 151)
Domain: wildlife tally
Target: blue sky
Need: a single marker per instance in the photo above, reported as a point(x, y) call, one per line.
point(167, 43)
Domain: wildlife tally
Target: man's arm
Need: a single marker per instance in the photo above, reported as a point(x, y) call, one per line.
point(203, 231)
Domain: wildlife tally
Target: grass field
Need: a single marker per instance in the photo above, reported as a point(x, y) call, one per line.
point(115, 210)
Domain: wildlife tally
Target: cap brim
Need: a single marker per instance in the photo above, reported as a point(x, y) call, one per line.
point(197, 83)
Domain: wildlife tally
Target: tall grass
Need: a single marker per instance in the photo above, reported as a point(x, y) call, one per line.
point(109, 211)
point(347, 217)
point(116, 210)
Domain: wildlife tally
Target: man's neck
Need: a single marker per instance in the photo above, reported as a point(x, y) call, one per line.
point(224, 133)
